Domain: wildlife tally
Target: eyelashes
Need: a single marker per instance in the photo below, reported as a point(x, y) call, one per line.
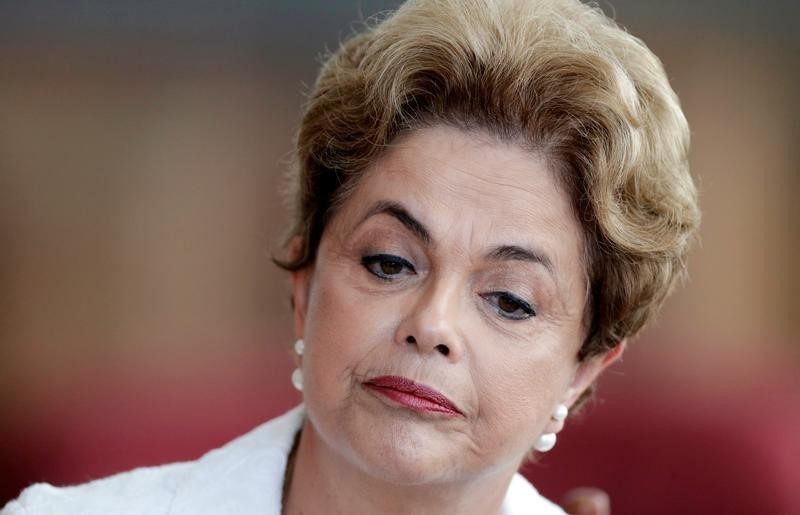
point(509, 305)
point(387, 266)
point(390, 268)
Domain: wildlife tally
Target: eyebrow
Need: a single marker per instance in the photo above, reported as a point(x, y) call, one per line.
point(500, 253)
point(402, 215)
point(517, 253)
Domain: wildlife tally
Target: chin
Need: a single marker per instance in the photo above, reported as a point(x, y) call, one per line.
point(394, 445)
point(404, 451)
point(404, 463)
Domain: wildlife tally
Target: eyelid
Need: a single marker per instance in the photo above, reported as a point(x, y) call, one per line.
point(527, 308)
point(382, 256)
point(371, 259)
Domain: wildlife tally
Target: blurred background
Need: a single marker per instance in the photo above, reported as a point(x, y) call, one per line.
point(141, 320)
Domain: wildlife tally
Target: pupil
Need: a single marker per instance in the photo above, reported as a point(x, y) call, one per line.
point(391, 267)
point(507, 304)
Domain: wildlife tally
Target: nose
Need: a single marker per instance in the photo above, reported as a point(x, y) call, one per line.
point(431, 324)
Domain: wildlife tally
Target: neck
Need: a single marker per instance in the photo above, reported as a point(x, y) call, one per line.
point(323, 481)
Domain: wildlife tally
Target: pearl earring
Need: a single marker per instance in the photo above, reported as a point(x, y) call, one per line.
point(547, 441)
point(297, 374)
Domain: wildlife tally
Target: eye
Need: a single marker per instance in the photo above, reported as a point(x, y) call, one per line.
point(509, 306)
point(387, 266)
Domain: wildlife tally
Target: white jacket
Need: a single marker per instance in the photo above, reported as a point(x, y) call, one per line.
point(243, 477)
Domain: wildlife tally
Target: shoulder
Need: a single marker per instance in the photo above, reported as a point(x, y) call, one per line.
point(140, 489)
point(243, 476)
point(522, 498)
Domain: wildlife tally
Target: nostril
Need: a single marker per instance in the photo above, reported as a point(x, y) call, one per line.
point(443, 349)
point(411, 340)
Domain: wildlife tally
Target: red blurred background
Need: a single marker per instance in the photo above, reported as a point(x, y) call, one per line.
point(141, 321)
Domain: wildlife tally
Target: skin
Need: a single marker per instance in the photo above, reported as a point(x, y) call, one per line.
point(506, 367)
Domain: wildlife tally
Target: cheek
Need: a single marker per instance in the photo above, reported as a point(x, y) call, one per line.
point(329, 338)
point(518, 394)
point(342, 331)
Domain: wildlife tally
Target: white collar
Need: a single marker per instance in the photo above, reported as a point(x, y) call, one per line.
point(245, 476)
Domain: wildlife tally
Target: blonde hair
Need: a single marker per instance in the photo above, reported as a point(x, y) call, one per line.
point(557, 75)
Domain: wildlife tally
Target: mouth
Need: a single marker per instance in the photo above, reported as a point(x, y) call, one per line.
point(412, 395)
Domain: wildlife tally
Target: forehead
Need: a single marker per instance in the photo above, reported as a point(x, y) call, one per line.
point(470, 183)
point(474, 194)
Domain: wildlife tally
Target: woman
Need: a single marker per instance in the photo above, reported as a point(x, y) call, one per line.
point(491, 197)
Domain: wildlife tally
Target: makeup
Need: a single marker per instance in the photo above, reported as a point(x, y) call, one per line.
point(412, 395)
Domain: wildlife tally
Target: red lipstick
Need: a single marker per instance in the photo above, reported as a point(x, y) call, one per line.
point(412, 395)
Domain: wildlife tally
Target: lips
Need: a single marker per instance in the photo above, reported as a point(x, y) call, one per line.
point(412, 395)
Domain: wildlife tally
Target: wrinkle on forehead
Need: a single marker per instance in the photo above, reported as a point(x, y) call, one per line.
point(483, 191)
point(496, 188)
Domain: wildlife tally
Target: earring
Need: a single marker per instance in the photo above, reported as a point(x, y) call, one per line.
point(297, 374)
point(547, 441)
point(297, 379)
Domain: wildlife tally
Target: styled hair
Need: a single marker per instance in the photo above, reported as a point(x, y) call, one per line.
point(556, 75)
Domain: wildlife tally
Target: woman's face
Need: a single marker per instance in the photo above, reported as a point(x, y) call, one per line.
point(455, 265)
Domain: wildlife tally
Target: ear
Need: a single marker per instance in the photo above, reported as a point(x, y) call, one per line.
point(301, 282)
point(589, 370)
